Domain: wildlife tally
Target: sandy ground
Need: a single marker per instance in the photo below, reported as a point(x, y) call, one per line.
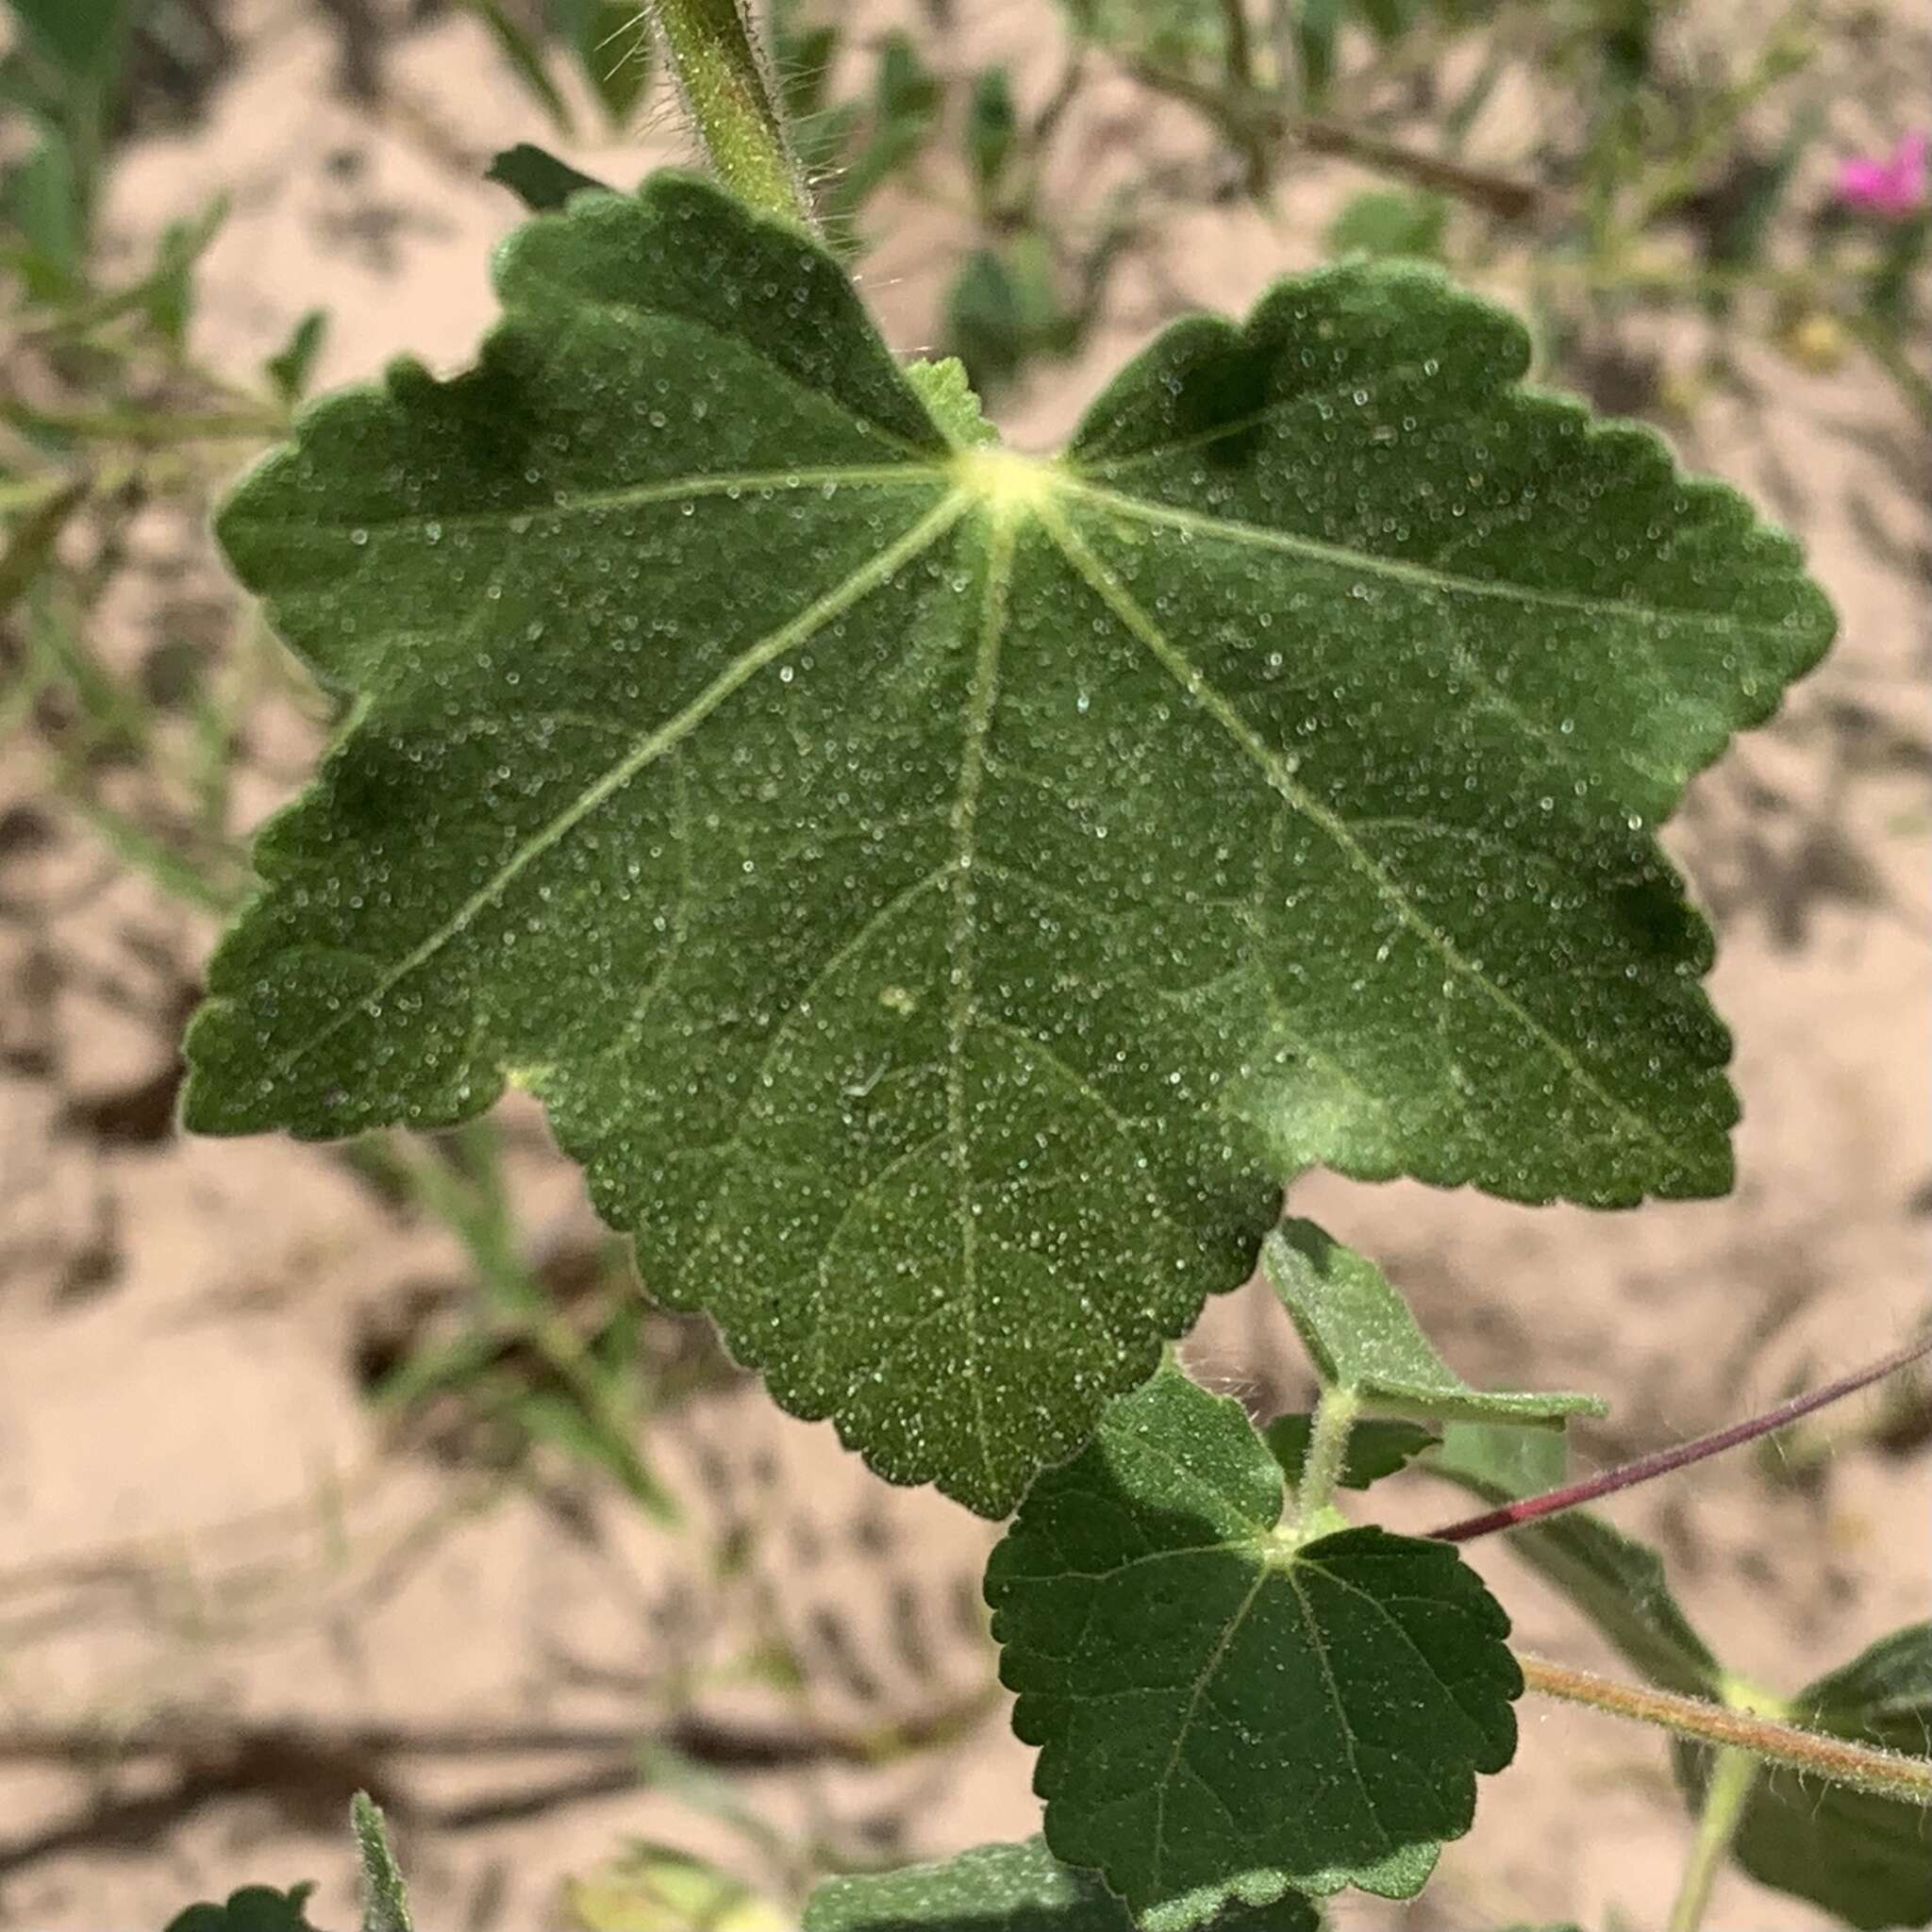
point(206, 1536)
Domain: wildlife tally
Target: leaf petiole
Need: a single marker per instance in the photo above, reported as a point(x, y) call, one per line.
point(1680, 1454)
point(1335, 1418)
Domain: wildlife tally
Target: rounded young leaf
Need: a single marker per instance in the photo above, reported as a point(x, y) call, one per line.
point(940, 894)
point(1225, 1712)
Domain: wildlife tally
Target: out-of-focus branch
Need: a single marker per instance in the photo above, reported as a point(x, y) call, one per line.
point(1251, 120)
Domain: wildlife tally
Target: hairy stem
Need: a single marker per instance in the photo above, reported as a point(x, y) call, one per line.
point(1680, 1454)
point(1733, 1778)
point(1837, 1760)
point(728, 93)
point(1335, 1417)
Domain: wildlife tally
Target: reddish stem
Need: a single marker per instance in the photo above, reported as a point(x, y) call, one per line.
point(1572, 1495)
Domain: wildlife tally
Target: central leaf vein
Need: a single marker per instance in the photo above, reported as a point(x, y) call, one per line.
point(1181, 1730)
point(959, 1006)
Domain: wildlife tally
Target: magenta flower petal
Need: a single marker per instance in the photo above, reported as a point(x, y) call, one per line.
point(1893, 187)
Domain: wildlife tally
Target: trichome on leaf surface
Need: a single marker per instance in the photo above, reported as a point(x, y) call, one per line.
point(942, 895)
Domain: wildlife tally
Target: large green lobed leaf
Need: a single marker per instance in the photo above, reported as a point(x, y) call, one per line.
point(940, 895)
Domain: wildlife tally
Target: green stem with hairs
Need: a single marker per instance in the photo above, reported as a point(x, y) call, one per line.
point(728, 92)
point(1812, 1753)
point(1334, 1415)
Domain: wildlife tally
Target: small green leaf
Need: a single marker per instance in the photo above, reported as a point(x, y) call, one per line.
point(1389, 20)
point(1015, 1888)
point(1363, 1336)
point(944, 389)
point(1616, 1581)
point(985, 320)
point(1223, 1711)
point(538, 178)
point(384, 1898)
point(1170, 33)
point(1377, 1447)
point(940, 893)
point(1317, 25)
point(1389, 222)
point(560, 1419)
point(43, 197)
point(1866, 1860)
point(253, 1908)
point(1502, 1461)
point(992, 127)
point(905, 105)
point(290, 368)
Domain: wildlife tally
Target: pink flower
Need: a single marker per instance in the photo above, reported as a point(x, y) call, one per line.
point(1894, 188)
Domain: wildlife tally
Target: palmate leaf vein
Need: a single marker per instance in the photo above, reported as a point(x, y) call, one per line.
point(1312, 1625)
point(648, 749)
point(1228, 530)
point(1121, 603)
point(1378, 1607)
point(642, 495)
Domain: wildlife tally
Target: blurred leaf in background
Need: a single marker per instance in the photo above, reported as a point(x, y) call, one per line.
point(62, 78)
point(84, 37)
point(654, 1887)
point(1389, 222)
point(1004, 309)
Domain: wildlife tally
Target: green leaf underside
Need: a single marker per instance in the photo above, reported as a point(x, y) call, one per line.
point(1615, 1580)
point(1223, 1716)
point(1867, 1860)
point(1012, 1888)
point(938, 895)
point(1376, 1447)
point(1363, 1336)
